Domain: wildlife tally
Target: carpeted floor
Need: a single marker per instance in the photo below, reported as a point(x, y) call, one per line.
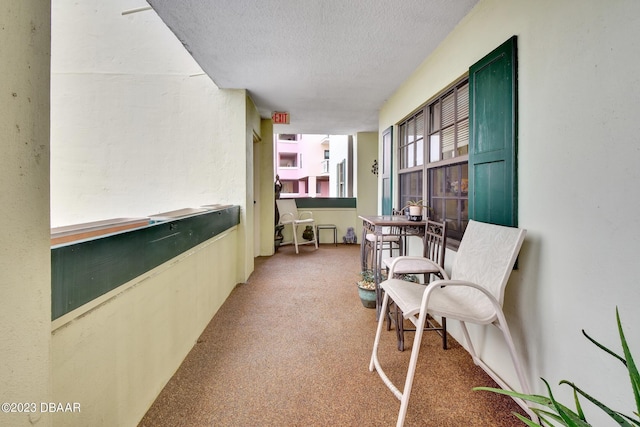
point(291, 347)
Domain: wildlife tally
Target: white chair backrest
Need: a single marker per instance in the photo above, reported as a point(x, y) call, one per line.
point(287, 206)
point(486, 256)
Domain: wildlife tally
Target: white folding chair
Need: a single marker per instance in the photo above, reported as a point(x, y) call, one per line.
point(289, 215)
point(473, 293)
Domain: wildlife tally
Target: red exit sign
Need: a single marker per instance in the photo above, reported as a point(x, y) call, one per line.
point(280, 118)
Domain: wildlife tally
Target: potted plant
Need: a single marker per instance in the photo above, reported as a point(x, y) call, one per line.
point(415, 207)
point(552, 412)
point(367, 288)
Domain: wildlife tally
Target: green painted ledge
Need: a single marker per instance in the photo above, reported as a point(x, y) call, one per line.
point(84, 270)
point(326, 202)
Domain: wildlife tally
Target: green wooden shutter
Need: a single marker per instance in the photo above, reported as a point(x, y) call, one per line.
point(385, 170)
point(493, 94)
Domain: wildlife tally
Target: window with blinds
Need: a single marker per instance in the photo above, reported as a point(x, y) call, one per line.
point(449, 124)
point(412, 141)
point(411, 158)
point(433, 155)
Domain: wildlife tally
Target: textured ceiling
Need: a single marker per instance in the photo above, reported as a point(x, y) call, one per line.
point(330, 63)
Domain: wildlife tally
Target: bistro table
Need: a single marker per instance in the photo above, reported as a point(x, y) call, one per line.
point(378, 226)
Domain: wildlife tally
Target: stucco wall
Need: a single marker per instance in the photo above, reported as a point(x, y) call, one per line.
point(266, 189)
point(137, 128)
point(25, 277)
point(366, 149)
point(115, 356)
point(578, 156)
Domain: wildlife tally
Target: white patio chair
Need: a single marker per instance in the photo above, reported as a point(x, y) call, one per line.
point(289, 215)
point(473, 293)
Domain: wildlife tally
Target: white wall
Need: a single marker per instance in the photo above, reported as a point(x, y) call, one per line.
point(25, 278)
point(338, 151)
point(578, 157)
point(366, 151)
point(265, 154)
point(136, 128)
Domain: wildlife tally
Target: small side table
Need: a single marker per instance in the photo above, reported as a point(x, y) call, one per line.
point(328, 227)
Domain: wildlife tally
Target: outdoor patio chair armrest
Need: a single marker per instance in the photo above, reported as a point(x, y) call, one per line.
point(476, 313)
point(305, 215)
point(287, 216)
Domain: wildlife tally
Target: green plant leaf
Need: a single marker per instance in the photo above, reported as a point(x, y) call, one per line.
point(554, 417)
point(578, 406)
point(613, 414)
point(602, 347)
point(631, 366)
point(568, 416)
point(565, 416)
point(535, 398)
point(562, 415)
point(526, 420)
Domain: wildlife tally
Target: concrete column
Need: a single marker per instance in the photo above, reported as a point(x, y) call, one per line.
point(312, 187)
point(25, 260)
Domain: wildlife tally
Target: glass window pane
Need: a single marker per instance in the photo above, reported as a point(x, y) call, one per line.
point(420, 139)
point(434, 148)
point(448, 139)
point(463, 101)
point(403, 158)
point(437, 182)
point(451, 214)
point(463, 137)
point(411, 158)
point(448, 110)
point(464, 180)
point(419, 126)
point(453, 181)
point(436, 211)
point(448, 188)
point(386, 153)
point(434, 117)
point(401, 141)
point(410, 187)
point(411, 130)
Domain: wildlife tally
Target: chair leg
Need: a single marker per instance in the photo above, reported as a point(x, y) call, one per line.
point(364, 256)
point(444, 333)
point(376, 341)
point(389, 316)
point(315, 234)
point(413, 362)
point(415, 350)
point(400, 328)
point(295, 236)
point(363, 249)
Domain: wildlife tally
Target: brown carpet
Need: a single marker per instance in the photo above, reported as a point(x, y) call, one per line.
point(291, 347)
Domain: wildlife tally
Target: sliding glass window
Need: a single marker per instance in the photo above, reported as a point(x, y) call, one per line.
point(435, 167)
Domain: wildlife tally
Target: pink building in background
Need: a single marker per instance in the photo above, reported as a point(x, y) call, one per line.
point(302, 162)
